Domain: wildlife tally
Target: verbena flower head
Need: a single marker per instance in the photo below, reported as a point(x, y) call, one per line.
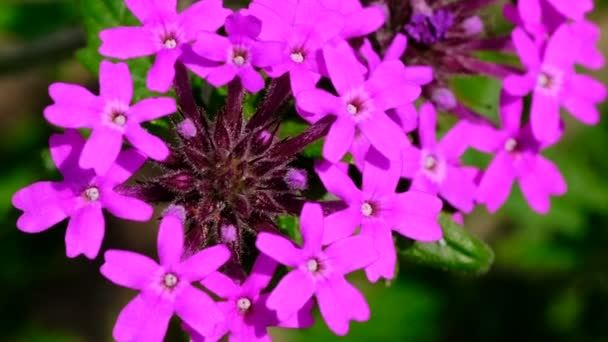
point(81, 196)
point(165, 288)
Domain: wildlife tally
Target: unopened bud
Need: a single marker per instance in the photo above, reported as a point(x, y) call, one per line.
point(297, 179)
point(187, 129)
point(444, 98)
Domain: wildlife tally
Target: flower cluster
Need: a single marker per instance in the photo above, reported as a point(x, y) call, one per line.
point(369, 79)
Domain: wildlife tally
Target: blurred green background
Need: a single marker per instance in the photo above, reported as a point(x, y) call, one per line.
point(549, 281)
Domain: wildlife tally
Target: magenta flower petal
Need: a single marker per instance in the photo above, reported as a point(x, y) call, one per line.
point(411, 162)
point(213, 12)
point(125, 207)
point(527, 51)
point(101, 150)
point(127, 163)
point(40, 203)
point(115, 82)
point(261, 273)
point(221, 75)
point(551, 177)
point(147, 143)
point(206, 261)
point(519, 85)
point(311, 226)
point(363, 22)
point(279, 248)
point(332, 298)
point(384, 135)
point(496, 183)
point(384, 266)
point(342, 65)
point(198, 310)
point(143, 319)
point(339, 139)
point(220, 284)
point(170, 240)
point(265, 54)
point(242, 25)
point(532, 189)
point(348, 255)
point(85, 232)
point(318, 101)
point(337, 182)
point(530, 11)
point(584, 111)
point(140, 42)
point(459, 189)
point(562, 48)
point(341, 224)
point(428, 124)
point(152, 109)
point(212, 46)
point(291, 294)
point(377, 180)
point(145, 10)
point(544, 117)
point(128, 269)
point(252, 80)
point(161, 74)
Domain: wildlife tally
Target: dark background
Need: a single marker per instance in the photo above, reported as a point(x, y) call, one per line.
point(549, 281)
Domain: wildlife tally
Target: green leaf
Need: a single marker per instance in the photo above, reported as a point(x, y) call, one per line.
point(457, 251)
point(291, 226)
point(102, 14)
point(480, 93)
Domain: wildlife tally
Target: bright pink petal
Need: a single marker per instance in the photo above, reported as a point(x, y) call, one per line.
point(562, 48)
point(311, 227)
point(496, 182)
point(39, 201)
point(337, 182)
point(511, 110)
point(339, 139)
point(85, 232)
point(339, 302)
point(343, 67)
point(341, 224)
point(550, 176)
point(458, 189)
point(128, 269)
point(520, 85)
point(170, 241)
point(544, 117)
point(363, 22)
point(456, 141)
point(127, 42)
point(212, 46)
point(397, 48)
point(252, 80)
point(587, 87)
point(261, 273)
point(72, 116)
point(101, 150)
point(161, 74)
point(145, 10)
point(205, 15)
point(485, 138)
point(318, 101)
point(279, 248)
point(419, 75)
point(383, 243)
point(428, 123)
point(291, 294)
point(149, 144)
point(127, 163)
point(197, 310)
point(417, 212)
point(221, 75)
point(396, 95)
point(385, 135)
point(526, 49)
point(582, 109)
point(534, 192)
point(115, 82)
point(266, 54)
point(128, 208)
point(145, 318)
point(380, 181)
point(411, 162)
point(205, 262)
point(220, 284)
point(351, 254)
point(530, 11)
point(371, 56)
point(239, 25)
point(152, 109)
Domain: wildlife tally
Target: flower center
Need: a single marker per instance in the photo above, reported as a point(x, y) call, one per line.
point(92, 194)
point(367, 209)
point(430, 162)
point(312, 265)
point(170, 280)
point(119, 118)
point(297, 56)
point(243, 304)
point(545, 80)
point(170, 43)
point(352, 109)
point(510, 145)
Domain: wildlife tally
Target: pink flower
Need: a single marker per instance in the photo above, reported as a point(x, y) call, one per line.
point(435, 167)
point(532, 11)
point(305, 26)
point(361, 104)
point(319, 272)
point(551, 77)
point(164, 33)
point(239, 53)
point(165, 288)
point(245, 311)
point(517, 158)
point(81, 196)
point(379, 210)
point(110, 116)
point(359, 21)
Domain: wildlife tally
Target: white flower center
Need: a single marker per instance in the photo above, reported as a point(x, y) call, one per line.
point(243, 304)
point(170, 280)
point(430, 162)
point(511, 145)
point(297, 57)
point(352, 109)
point(366, 209)
point(238, 60)
point(312, 265)
point(170, 43)
point(544, 80)
point(119, 119)
point(92, 194)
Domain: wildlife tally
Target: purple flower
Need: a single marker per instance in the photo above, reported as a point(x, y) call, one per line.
point(81, 196)
point(245, 311)
point(379, 210)
point(110, 116)
point(429, 29)
point(164, 33)
point(318, 272)
point(165, 288)
point(435, 167)
point(359, 21)
point(361, 103)
point(552, 79)
point(517, 158)
point(305, 26)
point(239, 53)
